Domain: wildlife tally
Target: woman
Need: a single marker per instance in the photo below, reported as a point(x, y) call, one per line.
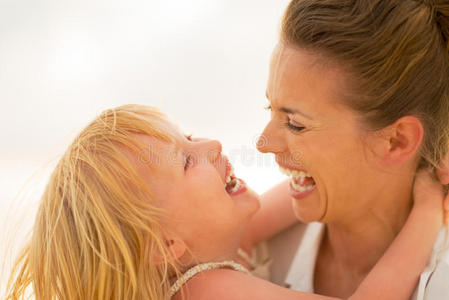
point(359, 99)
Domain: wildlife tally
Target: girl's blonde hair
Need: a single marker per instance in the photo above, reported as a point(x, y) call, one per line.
point(96, 228)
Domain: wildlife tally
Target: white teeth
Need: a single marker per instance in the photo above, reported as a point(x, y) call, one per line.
point(228, 177)
point(236, 186)
point(298, 176)
point(294, 173)
point(285, 171)
point(301, 188)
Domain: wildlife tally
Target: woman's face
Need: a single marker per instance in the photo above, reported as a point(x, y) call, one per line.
point(310, 131)
point(188, 181)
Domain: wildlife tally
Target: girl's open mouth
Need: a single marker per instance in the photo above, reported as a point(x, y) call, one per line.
point(233, 185)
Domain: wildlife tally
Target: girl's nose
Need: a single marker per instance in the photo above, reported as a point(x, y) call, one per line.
point(210, 150)
point(214, 149)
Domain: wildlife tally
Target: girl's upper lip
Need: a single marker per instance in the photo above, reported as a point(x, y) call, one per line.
point(228, 168)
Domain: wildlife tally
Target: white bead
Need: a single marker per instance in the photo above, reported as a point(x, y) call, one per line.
point(202, 267)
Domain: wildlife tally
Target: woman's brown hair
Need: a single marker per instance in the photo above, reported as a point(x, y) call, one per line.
point(394, 54)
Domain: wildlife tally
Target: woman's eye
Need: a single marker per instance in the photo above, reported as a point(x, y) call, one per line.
point(189, 137)
point(294, 128)
point(188, 162)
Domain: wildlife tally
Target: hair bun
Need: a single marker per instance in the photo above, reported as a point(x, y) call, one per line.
point(440, 9)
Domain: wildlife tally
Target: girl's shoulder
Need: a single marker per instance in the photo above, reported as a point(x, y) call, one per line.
point(225, 284)
point(212, 284)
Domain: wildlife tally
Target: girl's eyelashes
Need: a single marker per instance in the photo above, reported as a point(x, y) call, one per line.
point(188, 158)
point(188, 162)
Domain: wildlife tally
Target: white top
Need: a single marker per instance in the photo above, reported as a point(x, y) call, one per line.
point(433, 283)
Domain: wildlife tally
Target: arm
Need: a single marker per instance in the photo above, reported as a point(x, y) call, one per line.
point(275, 215)
point(399, 262)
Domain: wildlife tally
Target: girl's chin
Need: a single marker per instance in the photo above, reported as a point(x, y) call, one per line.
point(249, 201)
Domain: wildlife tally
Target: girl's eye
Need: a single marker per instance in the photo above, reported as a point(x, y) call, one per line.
point(293, 127)
point(189, 137)
point(188, 162)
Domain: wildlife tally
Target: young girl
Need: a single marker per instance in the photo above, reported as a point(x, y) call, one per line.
point(134, 209)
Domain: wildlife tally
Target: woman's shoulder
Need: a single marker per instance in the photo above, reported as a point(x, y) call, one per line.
point(438, 285)
point(434, 281)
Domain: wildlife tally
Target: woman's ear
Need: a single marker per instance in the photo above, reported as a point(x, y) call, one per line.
point(175, 249)
point(402, 139)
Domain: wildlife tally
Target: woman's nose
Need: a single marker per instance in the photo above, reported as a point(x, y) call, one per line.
point(271, 140)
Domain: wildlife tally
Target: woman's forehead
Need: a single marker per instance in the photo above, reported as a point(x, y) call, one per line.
point(298, 77)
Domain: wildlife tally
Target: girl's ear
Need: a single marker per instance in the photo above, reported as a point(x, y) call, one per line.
point(175, 250)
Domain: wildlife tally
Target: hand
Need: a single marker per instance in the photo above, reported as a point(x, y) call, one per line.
point(443, 175)
point(429, 192)
point(443, 170)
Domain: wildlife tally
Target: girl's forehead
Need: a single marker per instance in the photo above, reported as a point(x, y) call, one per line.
point(161, 150)
point(154, 150)
point(156, 160)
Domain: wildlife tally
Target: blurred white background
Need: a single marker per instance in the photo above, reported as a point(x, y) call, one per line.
point(204, 62)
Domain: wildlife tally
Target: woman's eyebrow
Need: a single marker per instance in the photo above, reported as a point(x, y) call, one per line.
point(288, 110)
point(294, 111)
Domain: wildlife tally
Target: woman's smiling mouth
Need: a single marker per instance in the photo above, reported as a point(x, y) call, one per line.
point(301, 182)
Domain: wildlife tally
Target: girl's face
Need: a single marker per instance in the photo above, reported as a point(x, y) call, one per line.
point(311, 131)
point(188, 179)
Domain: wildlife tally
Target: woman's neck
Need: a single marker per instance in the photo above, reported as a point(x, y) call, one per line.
point(358, 244)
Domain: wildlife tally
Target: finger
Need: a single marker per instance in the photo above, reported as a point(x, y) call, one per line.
point(443, 176)
point(427, 185)
point(446, 210)
point(446, 203)
point(443, 170)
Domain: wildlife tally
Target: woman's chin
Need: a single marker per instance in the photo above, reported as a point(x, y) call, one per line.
point(305, 213)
